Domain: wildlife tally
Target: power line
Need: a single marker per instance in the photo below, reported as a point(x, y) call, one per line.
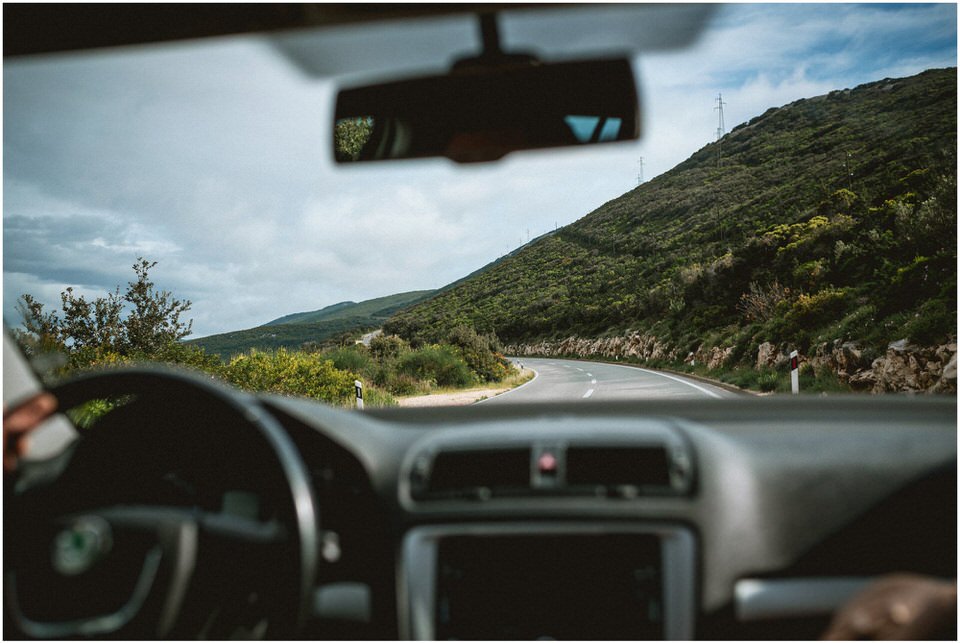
point(721, 128)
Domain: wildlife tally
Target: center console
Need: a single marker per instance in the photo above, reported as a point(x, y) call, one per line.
point(548, 581)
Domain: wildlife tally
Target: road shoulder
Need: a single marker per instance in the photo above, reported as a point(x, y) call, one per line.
point(463, 397)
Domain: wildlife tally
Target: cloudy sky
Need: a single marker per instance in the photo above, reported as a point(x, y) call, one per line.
point(212, 159)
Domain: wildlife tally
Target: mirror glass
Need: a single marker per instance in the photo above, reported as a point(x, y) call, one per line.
point(483, 112)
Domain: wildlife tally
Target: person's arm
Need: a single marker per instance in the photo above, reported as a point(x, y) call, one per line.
point(898, 607)
point(20, 421)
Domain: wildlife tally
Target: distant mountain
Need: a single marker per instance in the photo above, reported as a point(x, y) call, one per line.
point(381, 307)
point(829, 218)
point(292, 331)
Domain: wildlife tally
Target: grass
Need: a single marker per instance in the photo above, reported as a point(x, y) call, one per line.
point(517, 378)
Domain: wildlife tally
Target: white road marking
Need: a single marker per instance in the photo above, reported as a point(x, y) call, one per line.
point(536, 374)
point(589, 374)
point(579, 369)
point(675, 379)
point(593, 381)
point(588, 393)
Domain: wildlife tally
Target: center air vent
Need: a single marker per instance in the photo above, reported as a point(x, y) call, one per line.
point(639, 466)
point(473, 473)
point(554, 467)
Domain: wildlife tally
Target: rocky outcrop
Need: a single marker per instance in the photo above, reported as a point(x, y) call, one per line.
point(913, 369)
point(770, 356)
point(903, 368)
point(638, 345)
point(713, 357)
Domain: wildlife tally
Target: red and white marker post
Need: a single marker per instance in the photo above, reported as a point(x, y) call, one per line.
point(795, 372)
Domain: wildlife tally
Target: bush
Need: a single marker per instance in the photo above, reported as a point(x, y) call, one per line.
point(301, 374)
point(403, 384)
point(441, 365)
point(386, 347)
point(376, 398)
point(760, 302)
point(481, 353)
point(932, 324)
point(767, 380)
point(353, 358)
point(819, 308)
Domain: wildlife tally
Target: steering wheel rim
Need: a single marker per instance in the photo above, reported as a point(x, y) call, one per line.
point(163, 381)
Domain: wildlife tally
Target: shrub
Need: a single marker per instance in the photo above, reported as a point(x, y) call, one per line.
point(302, 374)
point(933, 323)
point(403, 384)
point(441, 365)
point(819, 308)
point(760, 303)
point(377, 398)
point(767, 380)
point(353, 358)
point(384, 347)
point(481, 353)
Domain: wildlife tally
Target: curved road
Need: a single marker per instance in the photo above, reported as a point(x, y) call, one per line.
point(571, 380)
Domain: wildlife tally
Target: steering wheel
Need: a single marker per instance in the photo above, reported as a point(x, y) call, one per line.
point(186, 511)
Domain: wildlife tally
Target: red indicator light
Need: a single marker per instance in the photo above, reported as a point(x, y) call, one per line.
point(547, 463)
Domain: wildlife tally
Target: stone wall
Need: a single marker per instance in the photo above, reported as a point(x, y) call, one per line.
point(646, 347)
point(903, 368)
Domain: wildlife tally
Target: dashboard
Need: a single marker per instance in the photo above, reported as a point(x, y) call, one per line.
point(749, 518)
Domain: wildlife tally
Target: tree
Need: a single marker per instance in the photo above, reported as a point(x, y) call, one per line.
point(154, 323)
point(87, 329)
point(349, 136)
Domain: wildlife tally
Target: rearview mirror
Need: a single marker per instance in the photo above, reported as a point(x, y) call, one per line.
point(482, 113)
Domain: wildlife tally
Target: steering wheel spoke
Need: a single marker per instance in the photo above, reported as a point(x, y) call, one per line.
point(153, 519)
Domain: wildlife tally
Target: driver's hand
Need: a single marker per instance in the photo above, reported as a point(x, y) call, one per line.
point(898, 607)
point(21, 420)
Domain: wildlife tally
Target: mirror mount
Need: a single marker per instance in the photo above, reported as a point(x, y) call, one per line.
point(492, 54)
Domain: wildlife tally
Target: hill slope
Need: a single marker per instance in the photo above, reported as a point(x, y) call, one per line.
point(292, 331)
point(832, 217)
point(381, 307)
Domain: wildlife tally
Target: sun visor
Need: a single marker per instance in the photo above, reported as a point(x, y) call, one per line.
point(431, 45)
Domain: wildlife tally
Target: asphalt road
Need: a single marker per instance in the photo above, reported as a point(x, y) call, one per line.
point(572, 380)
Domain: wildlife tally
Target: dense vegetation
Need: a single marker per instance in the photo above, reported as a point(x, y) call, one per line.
point(328, 326)
point(463, 359)
point(830, 218)
point(144, 325)
point(141, 324)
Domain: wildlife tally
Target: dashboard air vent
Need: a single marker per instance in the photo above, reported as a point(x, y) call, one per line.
point(642, 467)
point(493, 471)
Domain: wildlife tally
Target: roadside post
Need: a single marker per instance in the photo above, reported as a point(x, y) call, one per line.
point(358, 385)
point(795, 372)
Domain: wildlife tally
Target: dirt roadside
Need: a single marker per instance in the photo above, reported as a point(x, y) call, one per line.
point(456, 398)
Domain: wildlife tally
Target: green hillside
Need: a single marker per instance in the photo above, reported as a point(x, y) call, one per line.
point(317, 327)
point(291, 336)
point(832, 217)
point(380, 308)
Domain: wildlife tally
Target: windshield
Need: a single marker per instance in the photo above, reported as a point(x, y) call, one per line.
point(787, 220)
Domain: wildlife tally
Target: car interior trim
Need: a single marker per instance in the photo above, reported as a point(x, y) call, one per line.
point(763, 599)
